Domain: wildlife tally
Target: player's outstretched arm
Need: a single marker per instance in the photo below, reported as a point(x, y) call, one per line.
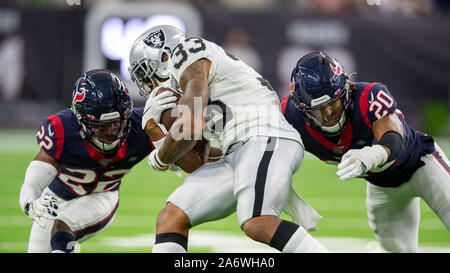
point(385, 126)
point(39, 174)
point(388, 131)
point(187, 129)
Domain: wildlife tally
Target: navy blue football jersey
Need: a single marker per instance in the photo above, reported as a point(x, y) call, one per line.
point(83, 169)
point(370, 102)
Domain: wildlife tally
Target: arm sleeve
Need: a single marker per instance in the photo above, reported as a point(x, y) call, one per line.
point(38, 175)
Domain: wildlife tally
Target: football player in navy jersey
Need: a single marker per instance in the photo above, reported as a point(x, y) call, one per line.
point(71, 187)
point(357, 125)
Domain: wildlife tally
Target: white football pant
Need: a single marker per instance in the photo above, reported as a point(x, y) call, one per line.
point(253, 180)
point(394, 213)
point(85, 216)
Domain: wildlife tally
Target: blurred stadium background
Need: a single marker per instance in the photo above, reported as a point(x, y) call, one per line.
point(45, 45)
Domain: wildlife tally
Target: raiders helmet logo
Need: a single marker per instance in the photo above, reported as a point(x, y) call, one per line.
point(155, 39)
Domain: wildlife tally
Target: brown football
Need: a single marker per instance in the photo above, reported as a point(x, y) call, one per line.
point(169, 116)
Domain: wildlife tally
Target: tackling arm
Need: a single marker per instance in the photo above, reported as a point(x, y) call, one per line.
point(188, 127)
point(388, 131)
point(39, 174)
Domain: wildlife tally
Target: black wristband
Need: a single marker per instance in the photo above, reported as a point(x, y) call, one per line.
point(394, 141)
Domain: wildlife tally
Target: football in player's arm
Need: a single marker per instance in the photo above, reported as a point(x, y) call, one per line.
point(156, 104)
point(71, 187)
point(357, 125)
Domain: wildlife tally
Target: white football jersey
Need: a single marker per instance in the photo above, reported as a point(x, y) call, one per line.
point(242, 104)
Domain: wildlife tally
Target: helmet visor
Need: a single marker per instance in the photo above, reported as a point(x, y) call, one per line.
point(107, 131)
point(327, 114)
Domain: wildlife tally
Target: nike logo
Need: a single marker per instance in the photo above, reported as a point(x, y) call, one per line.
point(50, 132)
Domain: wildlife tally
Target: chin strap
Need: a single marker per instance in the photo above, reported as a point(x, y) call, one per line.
point(105, 147)
point(337, 127)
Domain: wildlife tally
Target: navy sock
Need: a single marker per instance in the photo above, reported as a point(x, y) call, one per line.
point(63, 241)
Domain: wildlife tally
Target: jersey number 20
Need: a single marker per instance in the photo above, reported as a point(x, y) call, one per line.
point(377, 105)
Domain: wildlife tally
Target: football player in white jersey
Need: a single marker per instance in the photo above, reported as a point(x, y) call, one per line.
point(226, 100)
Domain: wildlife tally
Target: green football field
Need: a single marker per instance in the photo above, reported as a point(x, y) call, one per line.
point(143, 193)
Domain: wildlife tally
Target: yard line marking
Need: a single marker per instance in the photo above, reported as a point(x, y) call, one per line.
point(13, 247)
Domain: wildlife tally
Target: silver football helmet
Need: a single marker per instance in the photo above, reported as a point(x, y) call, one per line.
point(149, 56)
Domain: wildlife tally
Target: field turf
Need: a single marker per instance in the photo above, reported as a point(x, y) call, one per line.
point(143, 192)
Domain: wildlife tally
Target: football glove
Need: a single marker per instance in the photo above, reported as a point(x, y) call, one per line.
point(359, 161)
point(156, 104)
point(44, 207)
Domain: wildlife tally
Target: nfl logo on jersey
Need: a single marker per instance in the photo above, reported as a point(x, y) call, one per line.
point(339, 150)
point(105, 162)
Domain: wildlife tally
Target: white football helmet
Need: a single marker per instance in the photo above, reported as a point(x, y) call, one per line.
point(149, 56)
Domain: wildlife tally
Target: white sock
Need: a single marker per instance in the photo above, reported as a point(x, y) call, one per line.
point(302, 242)
point(168, 247)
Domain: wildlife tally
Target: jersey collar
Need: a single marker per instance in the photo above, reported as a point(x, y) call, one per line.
point(341, 147)
point(103, 159)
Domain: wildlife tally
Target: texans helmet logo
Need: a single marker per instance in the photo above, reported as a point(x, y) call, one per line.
point(292, 86)
point(79, 95)
point(338, 70)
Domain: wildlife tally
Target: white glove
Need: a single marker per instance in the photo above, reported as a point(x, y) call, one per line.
point(44, 207)
point(156, 104)
point(357, 162)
